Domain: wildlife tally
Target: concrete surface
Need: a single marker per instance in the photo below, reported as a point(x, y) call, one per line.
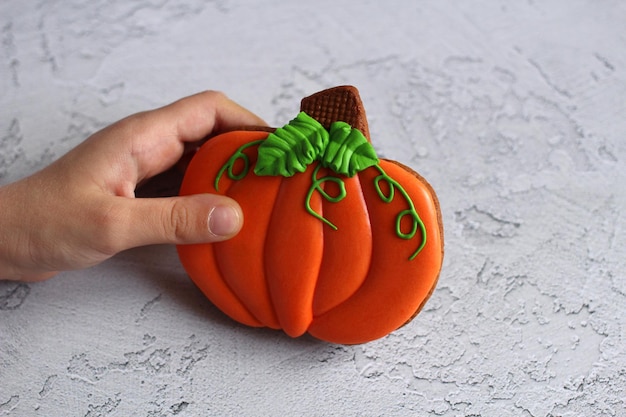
point(515, 112)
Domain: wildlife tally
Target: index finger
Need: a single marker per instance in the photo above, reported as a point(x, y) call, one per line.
point(209, 112)
point(158, 136)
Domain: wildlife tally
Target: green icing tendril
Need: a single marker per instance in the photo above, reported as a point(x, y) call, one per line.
point(229, 166)
point(342, 149)
point(317, 186)
point(416, 221)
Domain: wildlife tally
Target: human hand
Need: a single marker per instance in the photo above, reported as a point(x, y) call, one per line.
point(82, 209)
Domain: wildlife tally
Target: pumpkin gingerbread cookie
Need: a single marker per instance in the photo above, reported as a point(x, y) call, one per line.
point(336, 242)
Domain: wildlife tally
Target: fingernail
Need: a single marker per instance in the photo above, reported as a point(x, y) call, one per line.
point(224, 221)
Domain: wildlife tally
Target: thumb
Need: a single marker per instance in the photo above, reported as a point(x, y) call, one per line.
point(199, 218)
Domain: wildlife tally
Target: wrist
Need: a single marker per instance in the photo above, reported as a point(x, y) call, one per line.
point(10, 234)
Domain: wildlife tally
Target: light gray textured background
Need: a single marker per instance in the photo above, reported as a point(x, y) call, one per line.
point(514, 111)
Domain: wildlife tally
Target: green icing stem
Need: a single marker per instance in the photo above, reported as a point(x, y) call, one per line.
point(230, 164)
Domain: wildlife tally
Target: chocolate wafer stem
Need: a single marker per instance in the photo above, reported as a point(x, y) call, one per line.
point(337, 104)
